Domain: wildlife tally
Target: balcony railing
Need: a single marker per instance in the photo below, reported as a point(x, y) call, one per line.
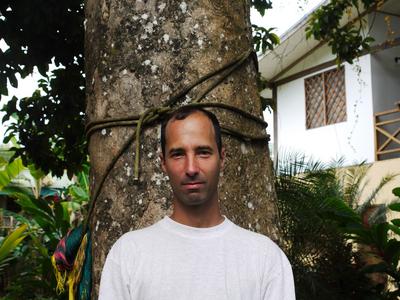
point(387, 129)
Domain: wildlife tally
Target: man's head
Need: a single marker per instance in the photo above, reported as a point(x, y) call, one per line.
point(185, 111)
point(192, 155)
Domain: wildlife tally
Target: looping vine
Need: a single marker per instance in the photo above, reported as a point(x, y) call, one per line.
point(156, 114)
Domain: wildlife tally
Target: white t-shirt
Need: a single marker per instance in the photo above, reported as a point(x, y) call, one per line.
point(172, 261)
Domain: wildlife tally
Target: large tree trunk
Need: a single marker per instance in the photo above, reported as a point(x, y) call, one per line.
point(138, 54)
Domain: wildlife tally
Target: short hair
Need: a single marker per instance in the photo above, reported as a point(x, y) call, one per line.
point(181, 114)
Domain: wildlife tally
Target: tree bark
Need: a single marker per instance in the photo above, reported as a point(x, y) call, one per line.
point(140, 53)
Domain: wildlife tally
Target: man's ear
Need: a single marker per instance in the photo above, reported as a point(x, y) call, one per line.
point(162, 159)
point(222, 158)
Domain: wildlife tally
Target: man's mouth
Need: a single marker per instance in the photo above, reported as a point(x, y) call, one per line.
point(193, 185)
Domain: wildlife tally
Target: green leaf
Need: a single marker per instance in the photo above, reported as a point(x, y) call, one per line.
point(4, 179)
point(396, 222)
point(42, 249)
point(13, 80)
point(36, 173)
point(369, 39)
point(261, 5)
point(10, 172)
point(3, 162)
point(380, 232)
point(395, 229)
point(61, 217)
point(41, 213)
point(3, 88)
point(43, 205)
point(394, 206)
point(48, 225)
point(78, 193)
point(396, 191)
point(8, 137)
point(376, 268)
point(15, 167)
point(274, 38)
point(392, 252)
point(18, 192)
point(12, 241)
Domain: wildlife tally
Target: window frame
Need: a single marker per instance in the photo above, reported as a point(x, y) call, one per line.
point(325, 98)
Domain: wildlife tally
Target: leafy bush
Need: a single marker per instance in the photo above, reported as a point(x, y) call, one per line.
point(323, 227)
point(30, 273)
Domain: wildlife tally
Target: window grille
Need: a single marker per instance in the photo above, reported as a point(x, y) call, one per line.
point(325, 98)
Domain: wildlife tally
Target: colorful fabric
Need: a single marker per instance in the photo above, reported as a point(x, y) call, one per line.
point(72, 264)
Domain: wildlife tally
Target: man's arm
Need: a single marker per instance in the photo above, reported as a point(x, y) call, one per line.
point(114, 278)
point(278, 282)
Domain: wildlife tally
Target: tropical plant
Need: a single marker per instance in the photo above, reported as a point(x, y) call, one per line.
point(9, 244)
point(378, 245)
point(316, 220)
point(48, 219)
point(9, 170)
point(78, 196)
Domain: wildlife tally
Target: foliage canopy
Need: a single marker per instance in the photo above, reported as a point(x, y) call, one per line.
point(50, 123)
point(349, 41)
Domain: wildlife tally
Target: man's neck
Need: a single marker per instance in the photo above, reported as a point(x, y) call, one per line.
point(197, 216)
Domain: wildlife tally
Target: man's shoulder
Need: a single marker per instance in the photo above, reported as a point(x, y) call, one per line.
point(139, 234)
point(254, 239)
point(253, 244)
point(132, 239)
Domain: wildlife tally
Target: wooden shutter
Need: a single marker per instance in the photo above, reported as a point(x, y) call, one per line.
point(314, 88)
point(325, 98)
point(335, 95)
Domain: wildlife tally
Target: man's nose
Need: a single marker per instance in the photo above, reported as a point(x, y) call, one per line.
point(192, 167)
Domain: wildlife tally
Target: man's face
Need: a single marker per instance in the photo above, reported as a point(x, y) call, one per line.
point(191, 160)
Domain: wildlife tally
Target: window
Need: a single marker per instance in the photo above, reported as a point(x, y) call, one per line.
point(325, 98)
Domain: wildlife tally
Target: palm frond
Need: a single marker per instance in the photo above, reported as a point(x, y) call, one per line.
point(371, 197)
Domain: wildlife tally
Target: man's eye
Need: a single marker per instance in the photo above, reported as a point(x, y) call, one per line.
point(176, 155)
point(205, 153)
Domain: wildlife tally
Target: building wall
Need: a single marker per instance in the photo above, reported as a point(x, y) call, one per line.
point(319, 56)
point(383, 26)
point(385, 79)
point(385, 72)
point(353, 139)
point(376, 172)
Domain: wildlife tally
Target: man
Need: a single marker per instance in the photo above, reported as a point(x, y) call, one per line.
point(196, 253)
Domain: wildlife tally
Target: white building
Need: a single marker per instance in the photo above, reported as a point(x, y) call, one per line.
point(351, 112)
point(327, 112)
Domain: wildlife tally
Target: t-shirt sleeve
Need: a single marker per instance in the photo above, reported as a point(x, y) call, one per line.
point(278, 279)
point(114, 277)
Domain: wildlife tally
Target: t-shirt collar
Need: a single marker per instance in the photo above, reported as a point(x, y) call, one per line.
point(196, 232)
